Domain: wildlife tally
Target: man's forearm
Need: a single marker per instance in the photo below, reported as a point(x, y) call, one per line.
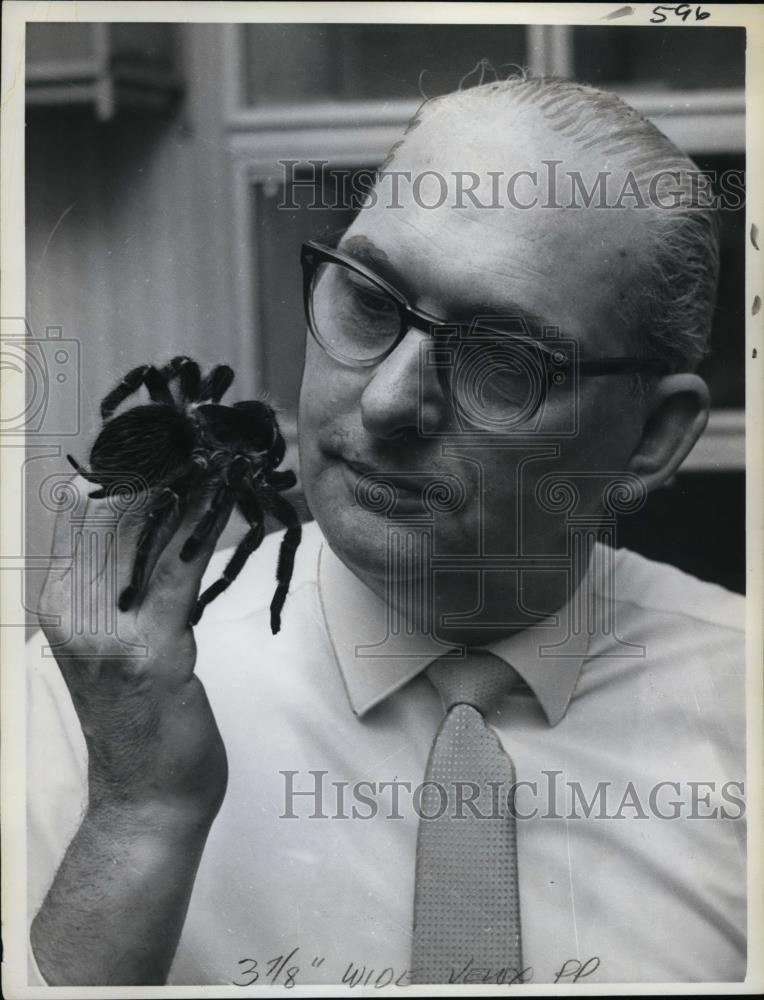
point(114, 913)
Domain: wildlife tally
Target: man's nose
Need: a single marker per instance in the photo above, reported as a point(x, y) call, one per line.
point(404, 392)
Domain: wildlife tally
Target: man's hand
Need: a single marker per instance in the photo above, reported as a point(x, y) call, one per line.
point(157, 767)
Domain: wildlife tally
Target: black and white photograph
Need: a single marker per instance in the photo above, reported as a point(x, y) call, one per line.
point(382, 475)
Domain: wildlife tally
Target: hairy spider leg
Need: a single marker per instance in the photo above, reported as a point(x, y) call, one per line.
point(190, 381)
point(234, 477)
point(283, 511)
point(186, 370)
point(158, 389)
point(103, 490)
point(167, 503)
point(91, 478)
point(278, 448)
point(216, 384)
point(205, 524)
point(130, 383)
point(249, 506)
point(173, 366)
point(281, 481)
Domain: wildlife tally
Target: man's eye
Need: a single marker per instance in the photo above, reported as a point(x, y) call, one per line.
point(371, 302)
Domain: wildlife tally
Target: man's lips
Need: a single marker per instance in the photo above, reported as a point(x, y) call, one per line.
point(411, 482)
point(418, 491)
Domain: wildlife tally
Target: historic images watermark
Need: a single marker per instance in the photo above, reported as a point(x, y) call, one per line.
point(549, 185)
point(312, 795)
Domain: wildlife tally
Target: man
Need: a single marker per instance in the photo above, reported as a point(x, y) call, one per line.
point(249, 809)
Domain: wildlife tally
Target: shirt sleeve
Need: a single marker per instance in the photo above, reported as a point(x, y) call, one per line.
point(56, 776)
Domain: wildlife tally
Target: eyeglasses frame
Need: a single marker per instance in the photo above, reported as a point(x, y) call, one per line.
point(313, 253)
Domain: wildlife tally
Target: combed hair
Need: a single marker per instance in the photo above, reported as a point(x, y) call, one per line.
point(677, 298)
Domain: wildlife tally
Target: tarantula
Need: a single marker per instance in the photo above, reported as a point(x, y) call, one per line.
point(181, 438)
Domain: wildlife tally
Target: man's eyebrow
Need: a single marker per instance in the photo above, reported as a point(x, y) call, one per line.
point(365, 251)
point(362, 249)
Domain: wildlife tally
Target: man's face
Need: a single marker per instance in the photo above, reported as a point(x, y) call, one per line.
point(572, 268)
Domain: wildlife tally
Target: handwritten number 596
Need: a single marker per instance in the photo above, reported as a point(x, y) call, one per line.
point(680, 10)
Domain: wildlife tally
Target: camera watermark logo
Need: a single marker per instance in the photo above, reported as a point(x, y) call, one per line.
point(498, 378)
point(50, 367)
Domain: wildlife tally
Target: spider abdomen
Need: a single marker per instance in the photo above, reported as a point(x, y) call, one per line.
point(153, 441)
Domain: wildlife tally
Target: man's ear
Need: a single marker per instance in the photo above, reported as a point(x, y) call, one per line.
point(676, 416)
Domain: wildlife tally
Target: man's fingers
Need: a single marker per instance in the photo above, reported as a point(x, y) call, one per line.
point(143, 533)
point(104, 547)
point(72, 497)
point(83, 540)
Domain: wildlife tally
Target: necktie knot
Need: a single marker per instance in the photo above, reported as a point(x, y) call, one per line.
point(478, 680)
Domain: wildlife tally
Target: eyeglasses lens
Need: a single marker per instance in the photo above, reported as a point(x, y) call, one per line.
point(497, 382)
point(353, 318)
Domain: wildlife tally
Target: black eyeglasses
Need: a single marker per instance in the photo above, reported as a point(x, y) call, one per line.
point(491, 368)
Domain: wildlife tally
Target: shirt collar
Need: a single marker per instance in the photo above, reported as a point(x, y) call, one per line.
point(376, 660)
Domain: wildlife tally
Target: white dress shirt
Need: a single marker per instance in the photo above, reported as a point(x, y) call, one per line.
point(623, 895)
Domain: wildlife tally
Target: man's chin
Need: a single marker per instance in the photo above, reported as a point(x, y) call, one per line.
point(361, 539)
point(373, 543)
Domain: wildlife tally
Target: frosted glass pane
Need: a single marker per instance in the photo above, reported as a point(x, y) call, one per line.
point(672, 58)
point(316, 62)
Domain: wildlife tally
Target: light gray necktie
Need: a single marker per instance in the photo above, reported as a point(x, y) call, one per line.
point(466, 902)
